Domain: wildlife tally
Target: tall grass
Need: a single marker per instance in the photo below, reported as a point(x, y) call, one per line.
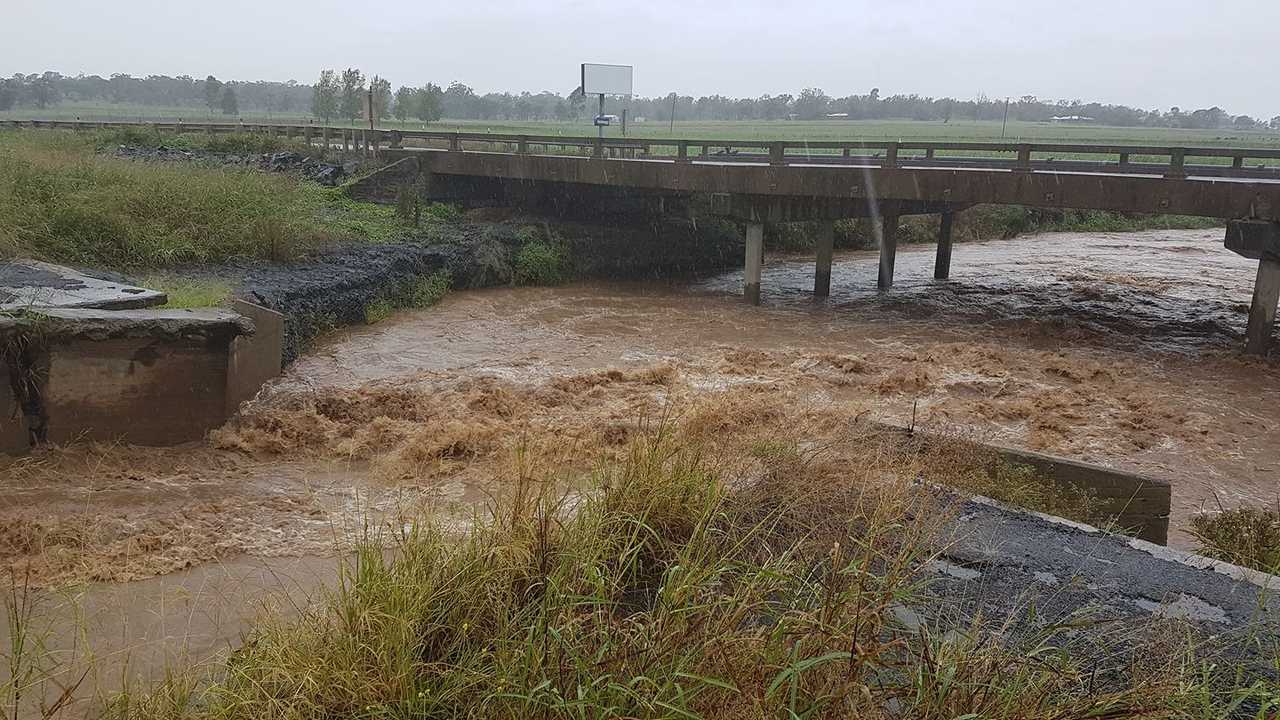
point(666, 590)
point(1247, 536)
point(61, 202)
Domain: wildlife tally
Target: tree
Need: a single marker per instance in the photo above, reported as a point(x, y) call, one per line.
point(1275, 123)
point(212, 92)
point(229, 104)
point(1244, 122)
point(429, 103)
point(324, 96)
point(406, 97)
point(381, 91)
point(44, 91)
point(8, 95)
point(351, 94)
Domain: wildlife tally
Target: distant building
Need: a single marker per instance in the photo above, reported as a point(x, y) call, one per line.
point(837, 116)
point(1071, 118)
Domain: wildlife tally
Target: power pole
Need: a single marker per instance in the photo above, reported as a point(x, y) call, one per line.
point(1005, 126)
point(673, 112)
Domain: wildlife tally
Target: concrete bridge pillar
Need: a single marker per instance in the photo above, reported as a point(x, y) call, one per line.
point(942, 263)
point(1262, 313)
point(826, 247)
point(888, 250)
point(1259, 240)
point(754, 262)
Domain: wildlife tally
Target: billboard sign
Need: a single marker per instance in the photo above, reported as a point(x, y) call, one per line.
point(600, 79)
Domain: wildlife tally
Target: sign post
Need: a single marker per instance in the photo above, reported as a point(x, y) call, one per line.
point(604, 80)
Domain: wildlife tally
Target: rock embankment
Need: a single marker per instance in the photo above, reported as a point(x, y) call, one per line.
point(325, 173)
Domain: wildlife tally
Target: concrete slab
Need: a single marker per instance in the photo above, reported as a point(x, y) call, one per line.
point(58, 324)
point(29, 283)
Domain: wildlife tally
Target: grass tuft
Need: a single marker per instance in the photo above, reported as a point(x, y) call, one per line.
point(1247, 536)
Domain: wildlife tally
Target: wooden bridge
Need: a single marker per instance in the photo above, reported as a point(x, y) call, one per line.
point(758, 181)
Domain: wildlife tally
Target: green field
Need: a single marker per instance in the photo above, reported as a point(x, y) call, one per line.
point(830, 130)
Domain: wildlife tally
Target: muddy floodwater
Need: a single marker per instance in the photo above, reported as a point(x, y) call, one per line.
point(1119, 349)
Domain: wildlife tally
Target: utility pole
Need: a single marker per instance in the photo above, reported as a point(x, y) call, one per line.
point(1005, 126)
point(674, 96)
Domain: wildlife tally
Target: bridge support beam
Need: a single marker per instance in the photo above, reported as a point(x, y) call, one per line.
point(888, 249)
point(1262, 313)
point(942, 263)
point(826, 247)
point(1259, 240)
point(754, 262)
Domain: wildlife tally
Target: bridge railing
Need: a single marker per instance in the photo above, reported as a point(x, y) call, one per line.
point(1166, 161)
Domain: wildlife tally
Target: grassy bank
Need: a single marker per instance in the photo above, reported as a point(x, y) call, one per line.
point(666, 589)
point(61, 201)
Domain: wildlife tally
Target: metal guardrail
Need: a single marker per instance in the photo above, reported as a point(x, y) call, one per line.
point(1166, 161)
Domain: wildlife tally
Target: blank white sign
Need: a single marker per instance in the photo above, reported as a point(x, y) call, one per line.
point(606, 79)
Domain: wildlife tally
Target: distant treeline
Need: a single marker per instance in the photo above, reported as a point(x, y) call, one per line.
point(340, 96)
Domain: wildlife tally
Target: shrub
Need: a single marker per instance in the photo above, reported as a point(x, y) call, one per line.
point(421, 292)
point(1248, 536)
point(541, 260)
point(447, 212)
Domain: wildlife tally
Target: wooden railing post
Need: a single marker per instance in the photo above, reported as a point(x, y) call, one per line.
point(682, 151)
point(455, 143)
point(1024, 159)
point(1177, 164)
point(1124, 159)
point(777, 153)
point(891, 155)
point(522, 146)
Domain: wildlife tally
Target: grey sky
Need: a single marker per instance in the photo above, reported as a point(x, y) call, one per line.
point(1149, 53)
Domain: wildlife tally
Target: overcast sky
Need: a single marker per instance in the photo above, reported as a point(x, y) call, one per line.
point(1149, 53)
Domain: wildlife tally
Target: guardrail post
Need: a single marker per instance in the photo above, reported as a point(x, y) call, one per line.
point(1177, 164)
point(1024, 159)
point(455, 143)
point(1124, 160)
point(1237, 162)
point(777, 153)
point(522, 146)
point(891, 155)
point(682, 151)
point(597, 149)
point(846, 151)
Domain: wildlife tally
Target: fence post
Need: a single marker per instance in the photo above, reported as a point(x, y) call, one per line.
point(1177, 164)
point(891, 155)
point(455, 143)
point(777, 153)
point(1024, 159)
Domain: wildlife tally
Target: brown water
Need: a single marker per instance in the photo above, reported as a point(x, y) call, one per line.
point(1114, 348)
